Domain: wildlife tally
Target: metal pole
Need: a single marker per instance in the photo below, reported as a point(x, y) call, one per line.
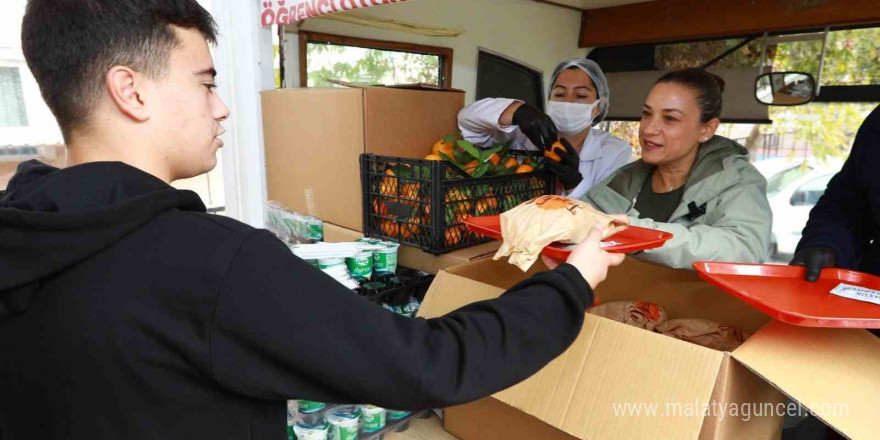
point(822, 61)
point(763, 53)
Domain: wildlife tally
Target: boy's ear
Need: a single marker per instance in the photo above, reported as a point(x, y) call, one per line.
point(126, 90)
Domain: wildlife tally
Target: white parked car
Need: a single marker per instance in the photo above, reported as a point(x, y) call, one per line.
point(794, 186)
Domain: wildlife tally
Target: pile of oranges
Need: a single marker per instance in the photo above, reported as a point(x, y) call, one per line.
point(402, 202)
point(477, 162)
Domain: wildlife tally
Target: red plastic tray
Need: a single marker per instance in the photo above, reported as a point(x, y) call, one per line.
point(631, 239)
point(784, 294)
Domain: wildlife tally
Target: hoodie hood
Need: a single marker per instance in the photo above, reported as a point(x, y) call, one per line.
point(52, 219)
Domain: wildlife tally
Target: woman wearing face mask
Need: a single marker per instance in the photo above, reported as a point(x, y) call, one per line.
point(689, 181)
point(579, 99)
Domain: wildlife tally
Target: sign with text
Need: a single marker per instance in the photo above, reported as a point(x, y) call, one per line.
point(291, 11)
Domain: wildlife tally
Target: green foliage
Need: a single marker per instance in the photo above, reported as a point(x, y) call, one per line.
point(369, 66)
point(852, 58)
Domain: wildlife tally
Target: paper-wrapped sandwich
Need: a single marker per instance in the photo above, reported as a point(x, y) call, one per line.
point(531, 226)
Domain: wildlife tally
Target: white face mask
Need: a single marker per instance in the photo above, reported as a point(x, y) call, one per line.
point(569, 117)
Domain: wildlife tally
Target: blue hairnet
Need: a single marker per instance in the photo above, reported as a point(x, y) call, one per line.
point(595, 72)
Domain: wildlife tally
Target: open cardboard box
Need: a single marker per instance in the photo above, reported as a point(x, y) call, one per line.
point(314, 138)
point(612, 364)
point(414, 258)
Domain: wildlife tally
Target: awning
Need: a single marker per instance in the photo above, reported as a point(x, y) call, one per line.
point(291, 11)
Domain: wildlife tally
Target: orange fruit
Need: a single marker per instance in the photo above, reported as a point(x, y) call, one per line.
point(455, 194)
point(380, 208)
point(443, 147)
point(551, 153)
point(410, 190)
point(471, 166)
point(426, 218)
point(452, 236)
point(494, 159)
point(493, 202)
point(486, 205)
point(511, 162)
point(462, 207)
point(388, 186)
point(433, 157)
point(409, 231)
point(457, 200)
point(524, 168)
point(552, 156)
point(389, 227)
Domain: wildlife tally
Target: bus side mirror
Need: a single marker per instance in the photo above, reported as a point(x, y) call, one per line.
point(785, 88)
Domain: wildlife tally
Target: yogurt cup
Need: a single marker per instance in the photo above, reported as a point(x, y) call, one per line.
point(385, 260)
point(309, 406)
point(372, 418)
point(303, 432)
point(360, 266)
point(331, 263)
point(344, 423)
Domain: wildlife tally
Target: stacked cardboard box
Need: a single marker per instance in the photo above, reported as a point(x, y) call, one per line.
point(314, 139)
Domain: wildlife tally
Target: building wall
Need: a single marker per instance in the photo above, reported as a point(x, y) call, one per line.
point(41, 127)
point(42, 130)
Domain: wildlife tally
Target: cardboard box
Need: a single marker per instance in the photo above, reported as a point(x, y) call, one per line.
point(314, 138)
point(337, 234)
point(416, 259)
point(616, 364)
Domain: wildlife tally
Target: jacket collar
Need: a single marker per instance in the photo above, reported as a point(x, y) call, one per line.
point(710, 176)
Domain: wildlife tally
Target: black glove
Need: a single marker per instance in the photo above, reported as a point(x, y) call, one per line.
point(815, 259)
point(568, 169)
point(536, 125)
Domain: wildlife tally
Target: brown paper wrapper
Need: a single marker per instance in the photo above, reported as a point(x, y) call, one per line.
point(641, 314)
point(531, 226)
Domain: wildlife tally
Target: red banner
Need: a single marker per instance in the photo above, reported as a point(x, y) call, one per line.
point(291, 11)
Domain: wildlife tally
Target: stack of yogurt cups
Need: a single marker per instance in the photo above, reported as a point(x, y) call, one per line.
point(351, 263)
point(308, 420)
point(384, 255)
point(292, 227)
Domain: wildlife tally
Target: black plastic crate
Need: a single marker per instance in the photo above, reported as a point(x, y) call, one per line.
point(397, 288)
point(424, 203)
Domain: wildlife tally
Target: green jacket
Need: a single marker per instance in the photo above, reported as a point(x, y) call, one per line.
point(736, 225)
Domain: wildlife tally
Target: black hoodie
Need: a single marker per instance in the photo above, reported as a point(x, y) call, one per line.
point(128, 312)
point(847, 216)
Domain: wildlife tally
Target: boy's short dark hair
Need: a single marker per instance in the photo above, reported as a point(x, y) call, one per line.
point(70, 45)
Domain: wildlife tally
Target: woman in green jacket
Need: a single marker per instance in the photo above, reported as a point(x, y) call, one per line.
point(689, 181)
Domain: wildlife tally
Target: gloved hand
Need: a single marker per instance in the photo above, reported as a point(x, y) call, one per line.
point(815, 259)
point(536, 125)
point(567, 169)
